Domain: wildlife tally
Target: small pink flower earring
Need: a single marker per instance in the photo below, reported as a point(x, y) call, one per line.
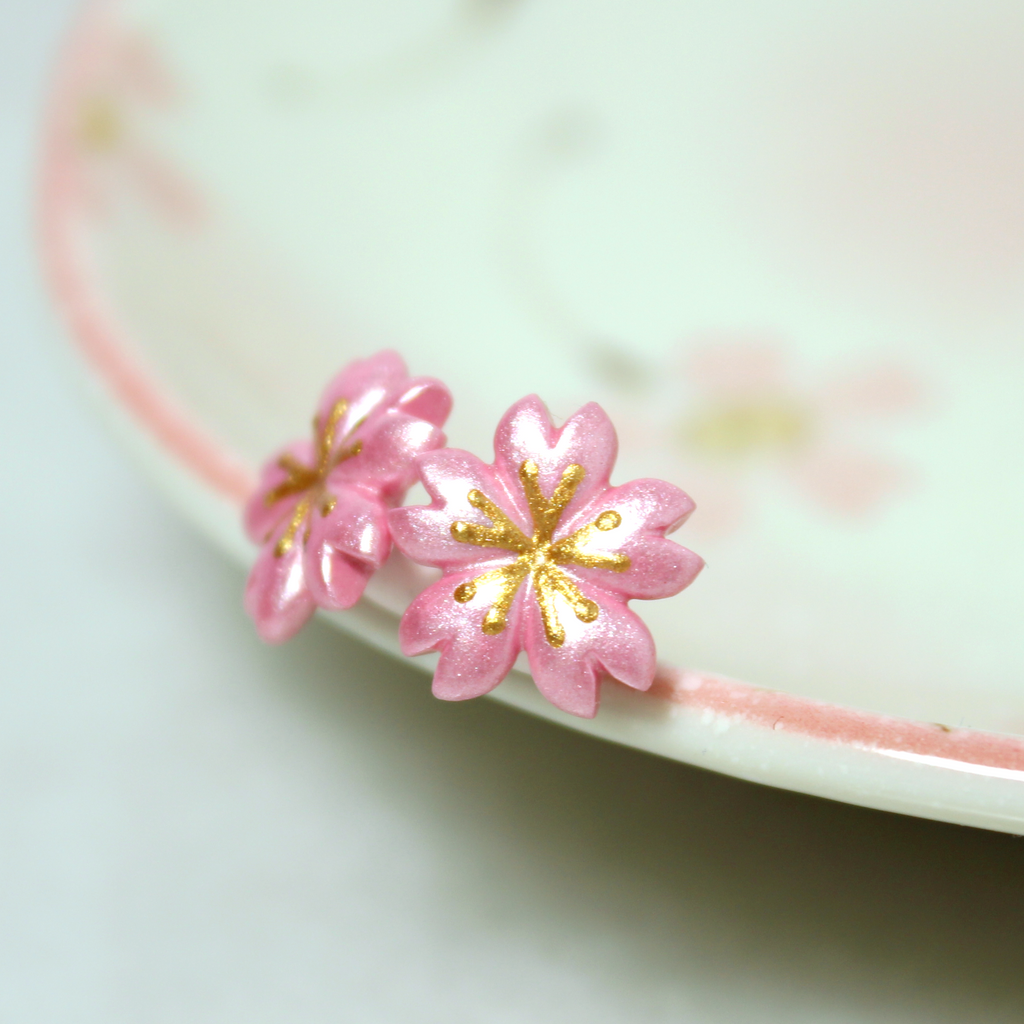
point(320, 510)
point(540, 553)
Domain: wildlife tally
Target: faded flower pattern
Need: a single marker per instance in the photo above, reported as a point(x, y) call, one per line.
point(731, 415)
point(320, 509)
point(539, 553)
point(119, 83)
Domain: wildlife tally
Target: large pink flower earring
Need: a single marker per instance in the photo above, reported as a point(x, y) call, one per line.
point(320, 510)
point(540, 553)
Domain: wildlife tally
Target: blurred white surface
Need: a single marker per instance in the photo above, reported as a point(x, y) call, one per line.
point(196, 827)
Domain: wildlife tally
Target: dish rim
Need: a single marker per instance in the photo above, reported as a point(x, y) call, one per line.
point(964, 775)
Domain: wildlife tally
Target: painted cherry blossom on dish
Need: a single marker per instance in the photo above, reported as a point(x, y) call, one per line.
point(540, 553)
point(320, 509)
point(736, 411)
point(119, 82)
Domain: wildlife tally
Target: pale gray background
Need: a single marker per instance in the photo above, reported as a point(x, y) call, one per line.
point(194, 827)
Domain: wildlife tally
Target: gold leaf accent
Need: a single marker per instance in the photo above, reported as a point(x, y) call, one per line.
point(537, 556)
point(311, 481)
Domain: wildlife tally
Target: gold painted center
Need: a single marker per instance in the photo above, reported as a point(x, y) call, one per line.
point(311, 481)
point(538, 557)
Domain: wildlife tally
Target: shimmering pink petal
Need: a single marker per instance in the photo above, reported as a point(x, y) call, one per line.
point(649, 509)
point(390, 444)
point(276, 595)
point(423, 532)
point(259, 518)
point(394, 418)
point(616, 643)
point(587, 439)
point(367, 385)
point(345, 548)
point(426, 398)
point(471, 662)
point(338, 581)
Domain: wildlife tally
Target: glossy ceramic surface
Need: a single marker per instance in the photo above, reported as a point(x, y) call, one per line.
point(779, 245)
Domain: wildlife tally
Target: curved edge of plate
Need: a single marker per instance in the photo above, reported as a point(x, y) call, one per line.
point(963, 776)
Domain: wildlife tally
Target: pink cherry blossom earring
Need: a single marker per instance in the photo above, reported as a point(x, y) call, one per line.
point(539, 553)
point(320, 509)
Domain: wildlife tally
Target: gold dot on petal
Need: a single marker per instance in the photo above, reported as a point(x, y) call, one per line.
point(608, 520)
point(465, 592)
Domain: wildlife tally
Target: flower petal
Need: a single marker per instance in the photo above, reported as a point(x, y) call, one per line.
point(345, 548)
point(648, 509)
point(616, 642)
point(472, 662)
point(427, 399)
point(276, 595)
point(260, 518)
point(367, 385)
point(390, 444)
point(423, 532)
point(587, 439)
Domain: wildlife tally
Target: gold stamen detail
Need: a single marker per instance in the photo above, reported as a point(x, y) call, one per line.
point(538, 557)
point(502, 534)
point(311, 480)
point(287, 538)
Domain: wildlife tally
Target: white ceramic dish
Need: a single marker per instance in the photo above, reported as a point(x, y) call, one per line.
point(782, 245)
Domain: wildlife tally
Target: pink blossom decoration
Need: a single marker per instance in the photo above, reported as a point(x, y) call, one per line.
point(320, 509)
point(540, 553)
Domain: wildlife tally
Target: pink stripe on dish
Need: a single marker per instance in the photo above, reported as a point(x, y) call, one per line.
point(916, 741)
point(91, 327)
